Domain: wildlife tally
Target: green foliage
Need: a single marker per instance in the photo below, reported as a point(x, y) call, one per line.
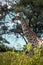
point(29, 47)
point(17, 8)
point(36, 51)
point(34, 13)
point(35, 2)
point(13, 58)
point(20, 58)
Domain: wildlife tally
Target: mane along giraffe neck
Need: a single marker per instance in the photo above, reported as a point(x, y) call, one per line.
point(29, 34)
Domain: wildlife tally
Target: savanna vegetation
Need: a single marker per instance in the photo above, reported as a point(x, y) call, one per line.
point(33, 10)
point(29, 56)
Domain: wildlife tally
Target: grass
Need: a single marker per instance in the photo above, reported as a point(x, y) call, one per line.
point(14, 58)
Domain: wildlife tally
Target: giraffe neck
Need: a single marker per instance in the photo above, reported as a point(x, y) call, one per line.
point(29, 34)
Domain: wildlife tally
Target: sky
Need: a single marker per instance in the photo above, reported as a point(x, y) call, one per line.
point(4, 1)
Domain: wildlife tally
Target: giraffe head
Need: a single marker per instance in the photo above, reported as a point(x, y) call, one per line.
point(18, 16)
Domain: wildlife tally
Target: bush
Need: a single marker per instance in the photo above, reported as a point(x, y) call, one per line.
point(19, 58)
point(13, 58)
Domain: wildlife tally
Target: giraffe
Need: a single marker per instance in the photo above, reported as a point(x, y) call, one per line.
point(28, 33)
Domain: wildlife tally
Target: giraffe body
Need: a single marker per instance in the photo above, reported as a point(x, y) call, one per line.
point(29, 34)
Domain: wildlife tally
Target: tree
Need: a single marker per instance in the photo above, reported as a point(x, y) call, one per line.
point(33, 9)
